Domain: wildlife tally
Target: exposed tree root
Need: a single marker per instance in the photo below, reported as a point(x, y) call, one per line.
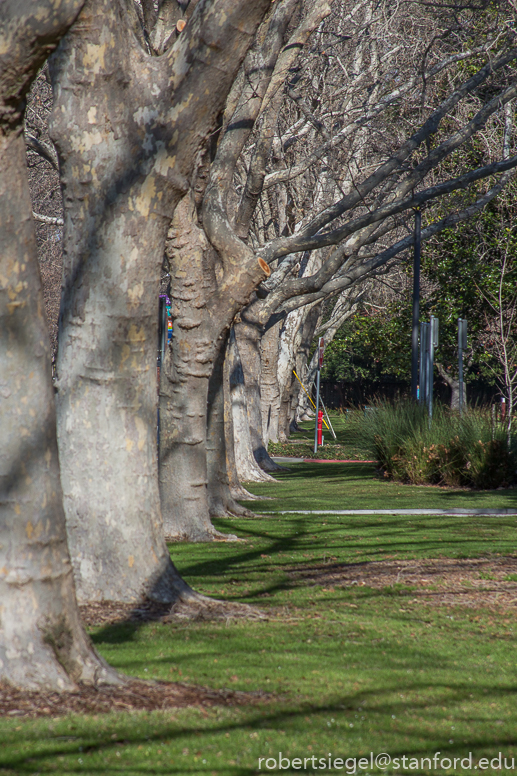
point(192, 607)
point(211, 609)
point(256, 474)
point(217, 536)
point(244, 495)
point(266, 463)
point(207, 536)
point(228, 506)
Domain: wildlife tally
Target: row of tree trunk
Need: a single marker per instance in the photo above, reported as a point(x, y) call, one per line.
point(166, 116)
point(128, 128)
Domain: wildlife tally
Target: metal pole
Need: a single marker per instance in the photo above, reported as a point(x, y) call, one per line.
point(317, 410)
point(163, 329)
point(329, 426)
point(424, 342)
point(433, 341)
point(460, 365)
point(462, 344)
point(416, 305)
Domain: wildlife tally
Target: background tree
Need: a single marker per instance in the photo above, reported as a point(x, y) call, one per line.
point(213, 274)
point(466, 273)
point(451, 77)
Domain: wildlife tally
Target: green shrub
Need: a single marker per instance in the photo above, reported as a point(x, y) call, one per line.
point(451, 450)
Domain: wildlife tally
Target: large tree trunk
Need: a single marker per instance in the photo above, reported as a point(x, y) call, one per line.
point(248, 341)
point(303, 407)
point(184, 383)
point(42, 642)
point(220, 499)
point(106, 364)
point(290, 340)
point(194, 484)
point(127, 136)
point(269, 390)
point(195, 355)
point(237, 490)
point(248, 469)
point(454, 385)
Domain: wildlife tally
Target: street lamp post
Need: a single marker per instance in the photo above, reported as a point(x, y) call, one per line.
point(462, 345)
point(416, 306)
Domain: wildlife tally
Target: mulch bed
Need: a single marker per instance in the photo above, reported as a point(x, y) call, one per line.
point(110, 613)
point(206, 610)
point(136, 695)
point(471, 582)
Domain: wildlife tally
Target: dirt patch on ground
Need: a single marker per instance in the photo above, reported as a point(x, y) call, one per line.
point(136, 695)
point(204, 609)
point(476, 582)
point(111, 613)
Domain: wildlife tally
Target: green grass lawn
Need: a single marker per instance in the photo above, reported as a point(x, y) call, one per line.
point(350, 670)
point(356, 486)
point(350, 443)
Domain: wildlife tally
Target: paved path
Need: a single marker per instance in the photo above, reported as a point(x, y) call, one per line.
point(289, 459)
point(444, 512)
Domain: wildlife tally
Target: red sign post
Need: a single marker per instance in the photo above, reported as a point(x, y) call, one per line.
point(321, 350)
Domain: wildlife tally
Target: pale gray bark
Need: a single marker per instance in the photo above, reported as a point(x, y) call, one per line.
point(454, 384)
point(128, 135)
point(304, 409)
point(184, 384)
point(220, 499)
point(42, 642)
point(248, 469)
point(269, 388)
point(237, 490)
point(248, 341)
point(210, 283)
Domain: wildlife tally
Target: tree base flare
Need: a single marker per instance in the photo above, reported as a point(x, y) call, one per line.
point(229, 508)
point(205, 536)
point(242, 494)
point(196, 607)
point(210, 609)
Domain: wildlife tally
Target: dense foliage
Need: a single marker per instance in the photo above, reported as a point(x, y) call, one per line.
point(461, 278)
point(451, 450)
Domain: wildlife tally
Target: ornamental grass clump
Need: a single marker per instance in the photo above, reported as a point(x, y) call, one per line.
point(451, 450)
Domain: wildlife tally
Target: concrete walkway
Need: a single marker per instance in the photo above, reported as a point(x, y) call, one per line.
point(283, 459)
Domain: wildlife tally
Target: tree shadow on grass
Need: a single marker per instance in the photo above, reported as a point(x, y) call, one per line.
point(425, 730)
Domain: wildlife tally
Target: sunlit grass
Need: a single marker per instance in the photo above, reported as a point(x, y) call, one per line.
point(348, 670)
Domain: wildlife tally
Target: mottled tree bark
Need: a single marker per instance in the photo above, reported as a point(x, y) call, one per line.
point(248, 336)
point(220, 499)
point(302, 358)
point(454, 384)
point(190, 486)
point(237, 490)
point(42, 642)
point(184, 382)
point(128, 127)
point(290, 340)
point(269, 391)
point(248, 469)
